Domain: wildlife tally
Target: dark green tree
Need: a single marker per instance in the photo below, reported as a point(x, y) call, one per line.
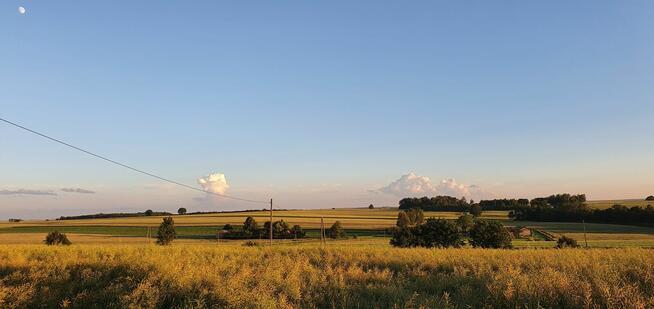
point(336, 230)
point(166, 233)
point(490, 234)
point(439, 233)
point(650, 198)
point(56, 238)
point(281, 228)
point(181, 211)
point(416, 216)
point(371, 206)
point(228, 227)
point(403, 237)
point(149, 212)
point(297, 231)
point(465, 222)
point(250, 227)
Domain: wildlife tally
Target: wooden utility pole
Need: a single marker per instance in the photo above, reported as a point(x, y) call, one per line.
point(322, 231)
point(271, 222)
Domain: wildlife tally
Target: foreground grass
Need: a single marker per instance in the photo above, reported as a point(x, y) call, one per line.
point(233, 276)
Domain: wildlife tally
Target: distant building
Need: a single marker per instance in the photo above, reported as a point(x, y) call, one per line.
point(521, 232)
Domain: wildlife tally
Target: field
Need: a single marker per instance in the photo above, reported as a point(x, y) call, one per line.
point(629, 203)
point(309, 276)
point(362, 222)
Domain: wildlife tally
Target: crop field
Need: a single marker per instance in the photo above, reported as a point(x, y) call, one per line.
point(361, 222)
point(310, 276)
point(629, 203)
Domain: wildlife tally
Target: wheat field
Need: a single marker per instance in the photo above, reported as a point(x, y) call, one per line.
point(235, 276)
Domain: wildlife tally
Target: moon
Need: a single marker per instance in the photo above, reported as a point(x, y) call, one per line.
point(21, 10)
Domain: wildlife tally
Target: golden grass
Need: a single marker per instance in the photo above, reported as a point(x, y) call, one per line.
point(285, 276)
point(629, 203)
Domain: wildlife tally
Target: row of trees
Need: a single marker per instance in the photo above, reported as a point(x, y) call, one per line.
point(440, 233)
point(251, 230)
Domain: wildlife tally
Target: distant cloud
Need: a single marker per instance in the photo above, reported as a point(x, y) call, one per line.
point(216, 183)
point(412, 185)
point(77, 190)
point(26, 192)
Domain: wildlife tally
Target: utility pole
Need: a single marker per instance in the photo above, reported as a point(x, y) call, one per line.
point(585, 238)
point(322, 231)
point(271, 222)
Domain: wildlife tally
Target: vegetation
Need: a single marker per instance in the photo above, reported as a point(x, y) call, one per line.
point(566, 242)
point(490, 234)
point(149, 212)
point(437, 203)
point(311, 277)
point(181, 211)
point(56, 238)
point(503, 204)
point(650, 198)
point(336, 231)
point(438, 233)
point(371, 206)
point(475, 210)
point(166, 233)
point(15, 220)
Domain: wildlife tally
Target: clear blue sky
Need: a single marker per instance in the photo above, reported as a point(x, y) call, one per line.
point(315, 104)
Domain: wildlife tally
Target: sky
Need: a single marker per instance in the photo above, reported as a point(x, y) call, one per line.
point(322, 104)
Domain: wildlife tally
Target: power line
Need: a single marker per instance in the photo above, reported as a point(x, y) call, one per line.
point(129, 167)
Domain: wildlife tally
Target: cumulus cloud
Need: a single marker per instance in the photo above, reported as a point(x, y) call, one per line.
point(412, 185)
point(26, 192)
point(216, 183)
point(77, 190)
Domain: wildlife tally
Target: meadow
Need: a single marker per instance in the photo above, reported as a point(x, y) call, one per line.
point(310, 276)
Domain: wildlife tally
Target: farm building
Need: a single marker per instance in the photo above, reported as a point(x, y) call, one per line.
point(521, 232)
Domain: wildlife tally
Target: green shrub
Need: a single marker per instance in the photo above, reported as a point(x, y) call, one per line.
point(336, 230)
point(166, 233)
point(490, 234)
point(56, 238)
point(566, 242)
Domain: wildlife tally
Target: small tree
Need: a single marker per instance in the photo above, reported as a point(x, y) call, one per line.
point(650, 198)
point(438, 233)
point(166, 232)
point(475, 210)
point(465, 222)
point(228, 227)
point(280, 228)
point(336, 230)
point(371, 206)
point(250, 227)
point(297, 231)
point(566, 242)
point(403, 237)
point(56, 238)
point(490, 234)
point(402, 220)
point(416, 216)
point(181, 211)
point(149, 212)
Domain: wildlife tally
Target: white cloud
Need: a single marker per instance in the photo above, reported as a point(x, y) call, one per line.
point(412, 185)
point(26, 192)
point(21, 10)
point(77, 190)
point(215, 183)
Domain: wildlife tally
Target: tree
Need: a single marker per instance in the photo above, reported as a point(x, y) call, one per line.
point(56, 238)
point(371, 206)
point(566, 242)
point(336, 230)
point(490, 234)
point(465, 222)
point(250, 227)
point(475, 210)
point(149, 212)
point(297, 231)
point(403, 237)
point(416, 216)
point(438, 233)
point(280, 228)
point(228, 227)
point(181, 211)
point(402, 220)
point(650, 198)
point(166, 232)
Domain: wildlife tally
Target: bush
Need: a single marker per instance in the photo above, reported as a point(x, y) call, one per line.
point(403, 237)
point(439, 233)
point(297, 231)
point(371, 206)
point(166, 233)
point(475, 210)
point(650, 198)
point(566, 242)
point(336, 231)
point(56, 238)
point(465, 223)
point(181, 211)
point(490, 234)
point(228, 227)
point(250, 227)
point(149, 212)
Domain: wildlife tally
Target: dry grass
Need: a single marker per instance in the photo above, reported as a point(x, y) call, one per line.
point(186, 276)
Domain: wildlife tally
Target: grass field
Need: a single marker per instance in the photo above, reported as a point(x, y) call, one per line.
point(308, 276)
point(629, 203)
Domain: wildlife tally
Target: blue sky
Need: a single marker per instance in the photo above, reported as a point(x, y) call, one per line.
point(317, 104)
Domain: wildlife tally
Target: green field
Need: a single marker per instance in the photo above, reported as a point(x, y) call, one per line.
point(629, 203)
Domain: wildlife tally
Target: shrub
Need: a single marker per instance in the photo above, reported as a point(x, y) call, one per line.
point(566, 242)
point(650, 198)
point(403, 237)
point(250, 227)
point(371, 206)
point(166, 233)
point(490, 234)
point(438, 233)
point(228, 227)
point(336, 230)
point(465, 223)
point(56, 238)
point(181, 211)
point(297, 231)
point(402, 220)
point(149, 212)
